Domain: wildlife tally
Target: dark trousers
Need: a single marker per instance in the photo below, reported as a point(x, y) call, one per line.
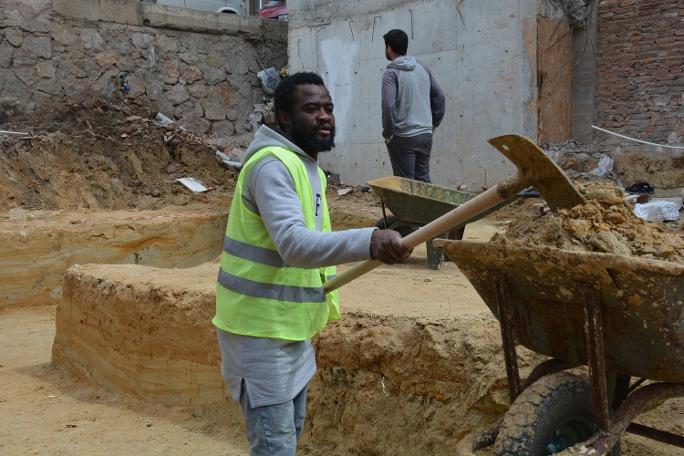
point(410, 156)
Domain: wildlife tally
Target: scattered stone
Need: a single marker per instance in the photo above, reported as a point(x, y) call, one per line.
point(226, 93)
point(177, 95)
point(189, 57)
point(33, 25)
point(189, 109)
point(200, 125)
point(106, 58)
point(6, 52)
point(239, 66)
point(169, 71)
point(232, 114)
point(223, 128)
point(345, 191)
point(216, 61)
point(155, 89)
point(40, 46)
point(91, 39)
point(107, 84)
point(213, 75)
point(136, 87)
point(214, 109)
point(198, 90)
point(62, 34)
point(141, 40)
point(167, 44)
point(45, 69)
point(26, 74)
point(191, 74)
point(14, 37)
point(195, 42)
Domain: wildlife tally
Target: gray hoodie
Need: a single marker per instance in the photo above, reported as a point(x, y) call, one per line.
point(270, 192)
point(274, 371)
point(412, 101)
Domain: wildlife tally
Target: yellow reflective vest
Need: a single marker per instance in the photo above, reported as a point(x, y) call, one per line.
point(258, 294)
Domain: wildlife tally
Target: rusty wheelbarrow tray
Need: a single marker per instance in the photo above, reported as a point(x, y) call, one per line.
point(414, 204)
point(622, 316)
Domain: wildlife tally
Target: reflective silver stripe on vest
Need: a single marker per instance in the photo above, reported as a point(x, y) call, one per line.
point(253, 253)
point(270, 291)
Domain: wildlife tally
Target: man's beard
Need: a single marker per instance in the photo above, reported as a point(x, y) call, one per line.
point(307, 140)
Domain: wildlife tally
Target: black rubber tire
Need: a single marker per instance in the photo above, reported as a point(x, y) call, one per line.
point(554, 410)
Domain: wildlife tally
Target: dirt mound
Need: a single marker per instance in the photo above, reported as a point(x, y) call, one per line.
point(400, 385)
point(605, 224)
point(105, 156)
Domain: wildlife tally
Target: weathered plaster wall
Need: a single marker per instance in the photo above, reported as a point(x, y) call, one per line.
point(199, 68)
point(483, 55)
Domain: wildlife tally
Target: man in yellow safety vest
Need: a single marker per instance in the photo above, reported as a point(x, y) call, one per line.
point(279, 250)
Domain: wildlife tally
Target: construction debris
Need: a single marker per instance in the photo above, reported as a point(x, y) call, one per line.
point(659, 210)
point(193, 184)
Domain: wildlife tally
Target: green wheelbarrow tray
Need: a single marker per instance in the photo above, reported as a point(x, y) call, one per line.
point(419, 203)
point(642, 302)
point(416, 202)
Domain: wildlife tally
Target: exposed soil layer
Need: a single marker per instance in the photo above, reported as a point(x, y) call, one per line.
point(39, 246)
point(107, 157)
point(606, 223)
point(146, 332)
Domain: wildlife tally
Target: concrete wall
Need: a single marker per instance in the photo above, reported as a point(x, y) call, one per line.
point(483, 55)
point(197, 67)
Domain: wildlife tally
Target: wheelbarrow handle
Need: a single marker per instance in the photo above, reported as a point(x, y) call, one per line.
point(443, 224)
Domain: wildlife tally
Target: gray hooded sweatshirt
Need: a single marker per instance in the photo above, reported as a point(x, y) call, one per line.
point(412, 101)
point(275, 371)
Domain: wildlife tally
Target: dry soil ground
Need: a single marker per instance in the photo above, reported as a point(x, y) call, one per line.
point(109, 158)
point(44, 410)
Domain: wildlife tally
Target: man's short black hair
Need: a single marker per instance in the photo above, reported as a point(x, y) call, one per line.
point(397, 40)
point(284, 94)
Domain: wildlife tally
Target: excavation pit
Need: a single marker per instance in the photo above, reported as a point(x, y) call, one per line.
point(401, 376)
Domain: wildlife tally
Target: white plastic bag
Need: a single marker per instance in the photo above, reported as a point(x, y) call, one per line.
point(269, 80)
point(605, 166)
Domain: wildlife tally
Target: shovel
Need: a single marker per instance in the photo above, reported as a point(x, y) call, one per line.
point(535, 169)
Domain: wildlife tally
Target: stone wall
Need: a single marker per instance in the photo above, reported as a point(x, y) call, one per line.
point(207, 79)
point(640, 87)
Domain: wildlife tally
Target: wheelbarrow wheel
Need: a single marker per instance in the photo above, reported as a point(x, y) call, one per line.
point(552, 414)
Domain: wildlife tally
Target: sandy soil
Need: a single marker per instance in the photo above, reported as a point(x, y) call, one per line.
point(606, 223)
point(46, 411)
point(74, 417)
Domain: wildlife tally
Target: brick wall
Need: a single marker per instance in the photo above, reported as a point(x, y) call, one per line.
point(640, 68)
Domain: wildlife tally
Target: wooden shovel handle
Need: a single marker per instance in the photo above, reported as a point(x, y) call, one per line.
point(443, 224)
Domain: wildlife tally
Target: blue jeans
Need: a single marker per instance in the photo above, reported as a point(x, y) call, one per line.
point(273, 430)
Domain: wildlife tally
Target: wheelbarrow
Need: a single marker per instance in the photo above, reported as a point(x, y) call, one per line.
point(414, 204)
point(623, 317)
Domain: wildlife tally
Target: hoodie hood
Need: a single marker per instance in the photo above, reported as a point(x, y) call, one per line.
point(268, 137)
point(404, 63)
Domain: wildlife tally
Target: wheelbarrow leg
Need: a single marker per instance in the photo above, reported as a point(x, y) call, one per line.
point(435, 257)
point(597, 362)
point(507, 337)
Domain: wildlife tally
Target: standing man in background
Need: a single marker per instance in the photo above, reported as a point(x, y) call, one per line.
point(412, 107)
